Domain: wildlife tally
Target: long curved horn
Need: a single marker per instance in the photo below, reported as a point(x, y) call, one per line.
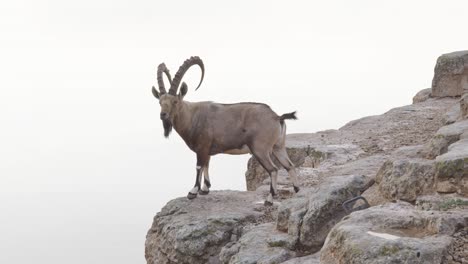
point(183, 69)
point(162, 68)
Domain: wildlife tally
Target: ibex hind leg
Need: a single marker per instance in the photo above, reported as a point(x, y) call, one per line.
point(264, 159)
point(282, 156)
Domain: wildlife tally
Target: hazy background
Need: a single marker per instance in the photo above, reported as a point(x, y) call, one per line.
point(83, 163)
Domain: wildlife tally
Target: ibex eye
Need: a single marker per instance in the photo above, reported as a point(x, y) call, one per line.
point(175, 102)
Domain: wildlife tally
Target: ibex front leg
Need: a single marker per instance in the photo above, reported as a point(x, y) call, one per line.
point(205, 189)
point(201, 163)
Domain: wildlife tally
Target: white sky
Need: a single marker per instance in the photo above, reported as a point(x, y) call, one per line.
point(80, 128)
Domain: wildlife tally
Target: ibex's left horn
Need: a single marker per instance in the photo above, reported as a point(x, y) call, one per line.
point(162, 68)
point(182, 70)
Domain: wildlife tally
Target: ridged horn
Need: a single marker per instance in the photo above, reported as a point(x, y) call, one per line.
point(162, 68)
point(183, 69)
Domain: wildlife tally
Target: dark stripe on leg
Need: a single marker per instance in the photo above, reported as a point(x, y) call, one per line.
point(207, 183)
point(198, 178)
point(272, 191)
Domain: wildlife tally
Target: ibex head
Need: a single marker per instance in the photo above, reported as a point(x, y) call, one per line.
point(171, 102)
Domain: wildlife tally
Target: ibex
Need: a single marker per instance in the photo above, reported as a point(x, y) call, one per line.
point(210, 128)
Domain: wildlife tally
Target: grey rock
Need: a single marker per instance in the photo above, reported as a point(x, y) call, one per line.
point(194, 231)
point(442, 202)
point(452, 169)
point(391, 233)
point(452, 115)
point(406, 179)
point(451, 74)
point(459, 249)
point(444, 137)
point(464, 106)
point(422, 95)
point(261, 244)
point(310, 215)
point(309, 259)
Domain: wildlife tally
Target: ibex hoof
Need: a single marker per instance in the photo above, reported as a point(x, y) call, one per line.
point(267, 203)
point(191, 195)
point(296, 189)
point(202, 192)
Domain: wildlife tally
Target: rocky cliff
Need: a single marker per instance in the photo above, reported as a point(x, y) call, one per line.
point(410, 164)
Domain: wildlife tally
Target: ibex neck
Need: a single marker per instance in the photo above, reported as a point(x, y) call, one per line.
point(183, 120)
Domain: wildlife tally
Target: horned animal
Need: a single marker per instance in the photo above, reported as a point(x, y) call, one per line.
point(210, 128)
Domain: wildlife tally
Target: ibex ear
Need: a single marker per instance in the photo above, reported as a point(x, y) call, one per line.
point(155, 92)
point(183, 90)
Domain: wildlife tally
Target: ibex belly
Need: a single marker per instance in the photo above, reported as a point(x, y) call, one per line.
point(243, 150)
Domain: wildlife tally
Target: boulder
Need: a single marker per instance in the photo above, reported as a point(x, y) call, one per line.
point(450, 74)
point(406, 179)
point(309, 216)
point(194, 231)
point(444, 137)
point(261, 244)
point(452, 169)
point(452, 115)
point(392, 233)
point(422, 95)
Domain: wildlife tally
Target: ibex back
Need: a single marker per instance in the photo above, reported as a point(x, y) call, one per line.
point(210, 128)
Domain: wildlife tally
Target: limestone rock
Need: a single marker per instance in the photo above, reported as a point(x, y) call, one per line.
point(392, 233)
point(452, 169)
point(459, 249)
point(261, 244)
point(406, 179)
point(442, 202)
point(422, 96)
point(445, 136)
point(452, 115)
point(451, 74)
point(309, 259)
point(464, 106)
point(194, 231)
point(309, 216)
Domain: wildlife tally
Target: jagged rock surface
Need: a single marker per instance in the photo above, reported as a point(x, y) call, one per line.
point(451, 75)
point(194, 231)
point(259, 244)
point(392, 233)
point(452, 169)
point(422, 96)
point(309, 216)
